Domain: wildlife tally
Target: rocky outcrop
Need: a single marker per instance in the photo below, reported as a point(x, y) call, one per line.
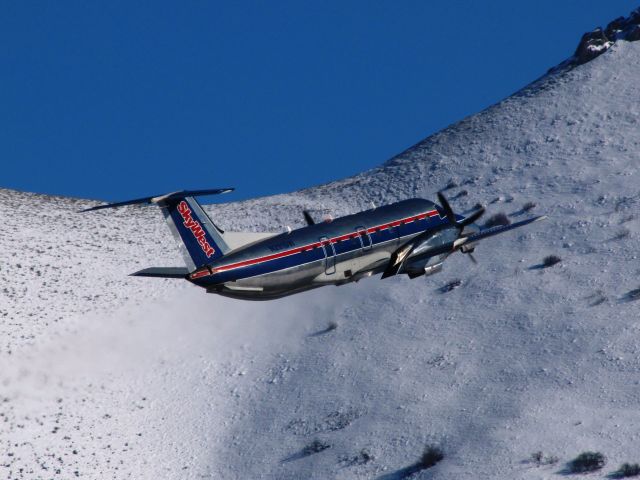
point(591, 45)
point(633, 34)
point(595, 43)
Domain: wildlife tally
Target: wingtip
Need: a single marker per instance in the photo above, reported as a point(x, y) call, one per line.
point(97, 207)
point(86, 210)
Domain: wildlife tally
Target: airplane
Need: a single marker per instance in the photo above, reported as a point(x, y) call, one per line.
point(412, 237)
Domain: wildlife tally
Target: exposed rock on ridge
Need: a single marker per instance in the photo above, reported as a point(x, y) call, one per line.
point(598, 41)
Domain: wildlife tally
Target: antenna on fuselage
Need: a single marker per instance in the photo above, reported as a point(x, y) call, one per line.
point(308, 218)
point(373, 205)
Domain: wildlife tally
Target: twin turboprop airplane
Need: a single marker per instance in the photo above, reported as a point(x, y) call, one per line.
point(411, 237)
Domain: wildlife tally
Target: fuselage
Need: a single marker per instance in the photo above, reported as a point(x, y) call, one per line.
point(336, 252)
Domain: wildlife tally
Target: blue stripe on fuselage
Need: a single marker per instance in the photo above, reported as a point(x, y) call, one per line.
point(317, 254)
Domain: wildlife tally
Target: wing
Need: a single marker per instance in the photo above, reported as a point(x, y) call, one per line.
point(490, 232)
point(411, 252)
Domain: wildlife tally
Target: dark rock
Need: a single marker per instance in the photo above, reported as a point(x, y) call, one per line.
point(615, 26)
point(432, 455)
point(592, 45)
point(632, 34)
point(316, 446)
point(587, 462)
point(362, 458)
point(627, 470)
point(550, 261)
point(450, 286)
point(499, 219)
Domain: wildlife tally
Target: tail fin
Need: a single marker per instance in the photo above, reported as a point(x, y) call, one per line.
point(199, 240)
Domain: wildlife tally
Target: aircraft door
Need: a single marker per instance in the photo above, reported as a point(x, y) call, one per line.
point(329, 256)
point(365, 238)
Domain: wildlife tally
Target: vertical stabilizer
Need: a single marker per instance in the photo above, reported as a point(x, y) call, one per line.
point(199, 240)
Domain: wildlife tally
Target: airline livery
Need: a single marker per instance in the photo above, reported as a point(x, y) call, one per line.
point(411, 237)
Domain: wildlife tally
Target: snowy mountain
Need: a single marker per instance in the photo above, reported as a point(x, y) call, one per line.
point(108, 376)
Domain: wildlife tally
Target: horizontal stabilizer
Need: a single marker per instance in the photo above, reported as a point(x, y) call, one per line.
point(162, 272)
point(162, 198)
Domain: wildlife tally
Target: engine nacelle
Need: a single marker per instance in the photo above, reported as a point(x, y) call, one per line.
point(431, 269)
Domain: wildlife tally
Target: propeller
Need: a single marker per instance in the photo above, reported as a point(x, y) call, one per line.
point(400, 255)
point(461, 223)
point(451, 217)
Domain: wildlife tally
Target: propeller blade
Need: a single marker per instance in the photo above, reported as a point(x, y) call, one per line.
point(395, 262)
point(471, 218)
point(308, 218)
point(448, 211)
point(451, 217)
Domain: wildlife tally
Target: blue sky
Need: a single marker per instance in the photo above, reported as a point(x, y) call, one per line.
point(112, 100)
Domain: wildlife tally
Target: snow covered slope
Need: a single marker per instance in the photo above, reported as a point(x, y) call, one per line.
point(108, 376)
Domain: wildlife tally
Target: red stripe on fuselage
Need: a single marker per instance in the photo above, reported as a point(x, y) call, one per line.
point(311, 246)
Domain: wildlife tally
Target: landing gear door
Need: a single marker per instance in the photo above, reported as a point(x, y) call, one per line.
point(329, 256)
point(365, 238)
